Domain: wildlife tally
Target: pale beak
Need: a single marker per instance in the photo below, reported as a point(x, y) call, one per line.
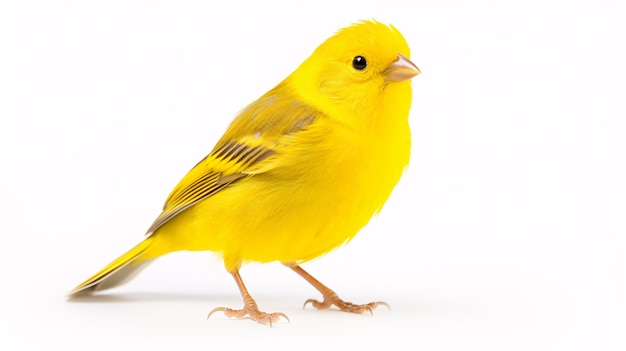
point(401, 69)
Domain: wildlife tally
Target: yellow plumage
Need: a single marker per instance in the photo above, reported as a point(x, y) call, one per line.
point(299, 171)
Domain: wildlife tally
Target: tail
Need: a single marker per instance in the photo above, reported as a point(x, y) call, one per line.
point(118, 272)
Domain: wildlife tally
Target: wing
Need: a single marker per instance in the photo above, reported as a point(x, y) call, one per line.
point(248, 147)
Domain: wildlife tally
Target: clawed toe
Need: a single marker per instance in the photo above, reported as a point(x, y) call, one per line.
point(253, 313)
point(249, 309)
point(331, 300)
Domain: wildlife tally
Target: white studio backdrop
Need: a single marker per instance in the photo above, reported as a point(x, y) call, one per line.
point(506, 233)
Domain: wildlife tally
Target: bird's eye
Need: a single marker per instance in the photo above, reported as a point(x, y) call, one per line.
point(359, 63)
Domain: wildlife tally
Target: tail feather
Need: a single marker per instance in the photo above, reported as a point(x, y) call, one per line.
point(116, 273)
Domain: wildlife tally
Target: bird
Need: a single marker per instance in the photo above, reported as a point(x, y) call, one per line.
point(298, 173)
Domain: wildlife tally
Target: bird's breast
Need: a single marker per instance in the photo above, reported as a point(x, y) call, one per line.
point(338, 190)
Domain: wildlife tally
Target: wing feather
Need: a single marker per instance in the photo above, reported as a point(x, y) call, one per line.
point(243, 151)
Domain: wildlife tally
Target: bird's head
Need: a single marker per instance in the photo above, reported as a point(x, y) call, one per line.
point(360, 71)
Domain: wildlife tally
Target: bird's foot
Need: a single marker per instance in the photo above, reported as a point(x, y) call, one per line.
point(252, 311)
point(330, 299)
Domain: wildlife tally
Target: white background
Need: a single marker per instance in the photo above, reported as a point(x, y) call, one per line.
point(507, 233)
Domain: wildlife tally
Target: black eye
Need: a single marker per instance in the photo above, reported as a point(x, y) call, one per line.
point(359, 63)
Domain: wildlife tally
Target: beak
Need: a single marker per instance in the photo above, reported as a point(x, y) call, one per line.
point(401, 69)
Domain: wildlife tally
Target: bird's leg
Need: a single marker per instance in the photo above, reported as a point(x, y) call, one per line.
point(331, 298)
point(250, 307)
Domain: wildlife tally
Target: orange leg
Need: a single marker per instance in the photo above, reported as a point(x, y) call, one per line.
point(250, 307)
point(331, 298)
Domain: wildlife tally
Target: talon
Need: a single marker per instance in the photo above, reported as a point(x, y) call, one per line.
point(280, 314)
point(216, 309)
point(310, 301)
point(271, 318)
point(383, 303)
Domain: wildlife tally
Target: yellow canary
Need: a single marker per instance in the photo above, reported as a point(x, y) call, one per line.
point(299, 171)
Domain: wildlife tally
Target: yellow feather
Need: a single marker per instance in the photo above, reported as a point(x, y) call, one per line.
point(301, 170)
